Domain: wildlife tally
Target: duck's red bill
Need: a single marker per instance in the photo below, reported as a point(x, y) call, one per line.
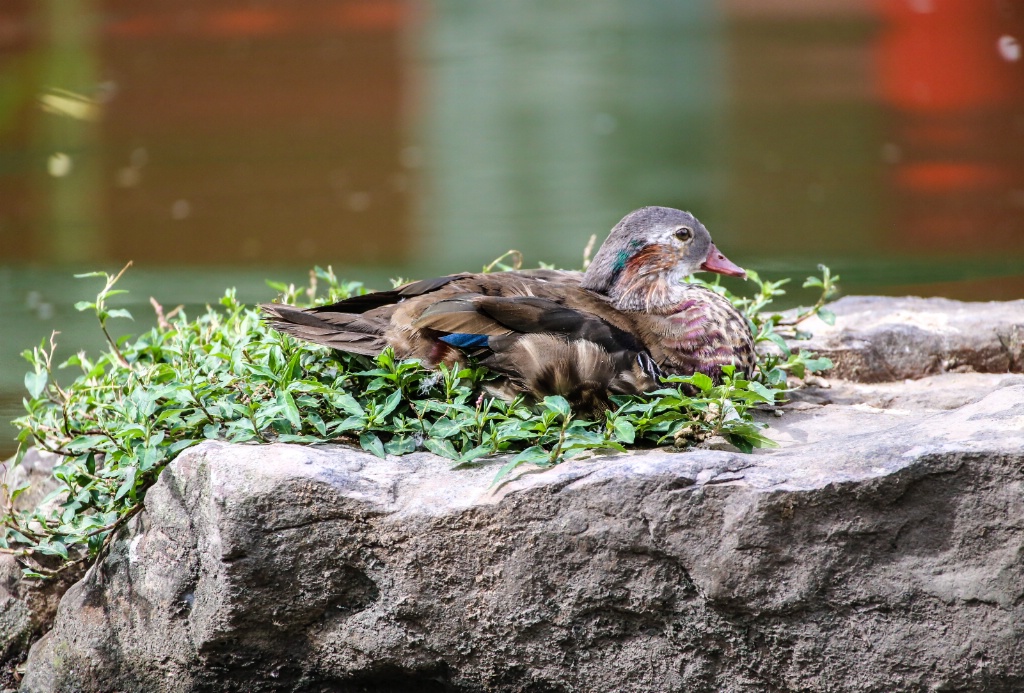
point(719, 263)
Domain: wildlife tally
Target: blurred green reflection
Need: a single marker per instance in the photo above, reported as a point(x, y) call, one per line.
point(224, 142)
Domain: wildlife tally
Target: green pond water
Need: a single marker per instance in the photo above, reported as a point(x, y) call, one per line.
point(225, 144)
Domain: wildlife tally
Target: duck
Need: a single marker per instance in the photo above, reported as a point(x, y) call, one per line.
point(617, 328)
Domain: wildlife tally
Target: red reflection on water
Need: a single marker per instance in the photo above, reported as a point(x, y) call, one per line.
point(267, 132)
point(245, 21)
point(369, 15)
point(948, 176)
point(952, 75)
point(943, 55)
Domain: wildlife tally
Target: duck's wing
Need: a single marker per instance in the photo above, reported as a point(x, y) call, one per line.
point(539, 328)
point(548, 346)
point(490, 284)
point(358, 324)
point(470, 315)
point(379, 299)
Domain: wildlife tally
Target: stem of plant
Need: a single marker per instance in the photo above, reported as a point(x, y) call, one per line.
point(557, 453)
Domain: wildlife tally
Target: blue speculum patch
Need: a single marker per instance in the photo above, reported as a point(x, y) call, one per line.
point(463, 341)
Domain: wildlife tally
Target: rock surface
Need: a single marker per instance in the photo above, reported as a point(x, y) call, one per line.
point(27, 607)
point(880, 548)
point(878, 339)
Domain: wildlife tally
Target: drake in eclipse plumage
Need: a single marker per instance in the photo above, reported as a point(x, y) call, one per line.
point(614, 329)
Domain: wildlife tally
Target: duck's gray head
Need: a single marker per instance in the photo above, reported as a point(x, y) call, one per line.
point(652, 249)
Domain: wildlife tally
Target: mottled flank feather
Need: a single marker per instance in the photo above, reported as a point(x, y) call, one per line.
point(614, 330)
point(705, 333)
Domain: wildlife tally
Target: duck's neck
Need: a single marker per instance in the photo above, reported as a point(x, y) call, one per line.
point(659, 294)
point(648, 280)
point(649, 296)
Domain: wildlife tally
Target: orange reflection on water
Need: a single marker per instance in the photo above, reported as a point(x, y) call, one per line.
point(951, 75)
point(246, 21)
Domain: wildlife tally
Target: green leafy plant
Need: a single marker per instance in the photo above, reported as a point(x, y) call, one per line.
point(225, 375)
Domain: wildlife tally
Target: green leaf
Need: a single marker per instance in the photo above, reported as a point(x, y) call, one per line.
point(12, 534)
point(746, 441)
point(371, 443)
point(289, 438)
point(83, 443)
point(474, 454)
point(352, 423)
point(53, 548)
point(262, 370)
point(701, 381)
point(625, 432)
point(179, 445)
point(776, 377)
point(119, 313)
point(400, 445)
point(389, 404)
point(291, 412)
point(35, 383)
point(827, 316)
point(817, 365)
point(347, 402)
point(84, 305)
point(444, 428)
point(444, 448)
point(797, 368)
point(558, 404)
point(531, 454)
point(764, 393)
point(151, 456)
point(128, 484)
point(317, 422)
point(19, 490)
point(293, 371)
point(778, 341)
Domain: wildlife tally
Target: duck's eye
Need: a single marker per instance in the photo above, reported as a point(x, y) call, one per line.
point(684, 234)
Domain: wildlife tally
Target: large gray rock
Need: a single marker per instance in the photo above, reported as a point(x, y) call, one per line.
point(27, 606)
point(881, 548)
point(878, 338)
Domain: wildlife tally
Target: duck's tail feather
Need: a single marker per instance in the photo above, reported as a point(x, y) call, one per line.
point(352, 333)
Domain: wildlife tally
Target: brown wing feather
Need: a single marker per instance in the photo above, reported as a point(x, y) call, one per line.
point(458, 315)
point(378, 299)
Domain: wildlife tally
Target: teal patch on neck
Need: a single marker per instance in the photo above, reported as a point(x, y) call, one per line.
point(623, 255)
point(620, 261)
